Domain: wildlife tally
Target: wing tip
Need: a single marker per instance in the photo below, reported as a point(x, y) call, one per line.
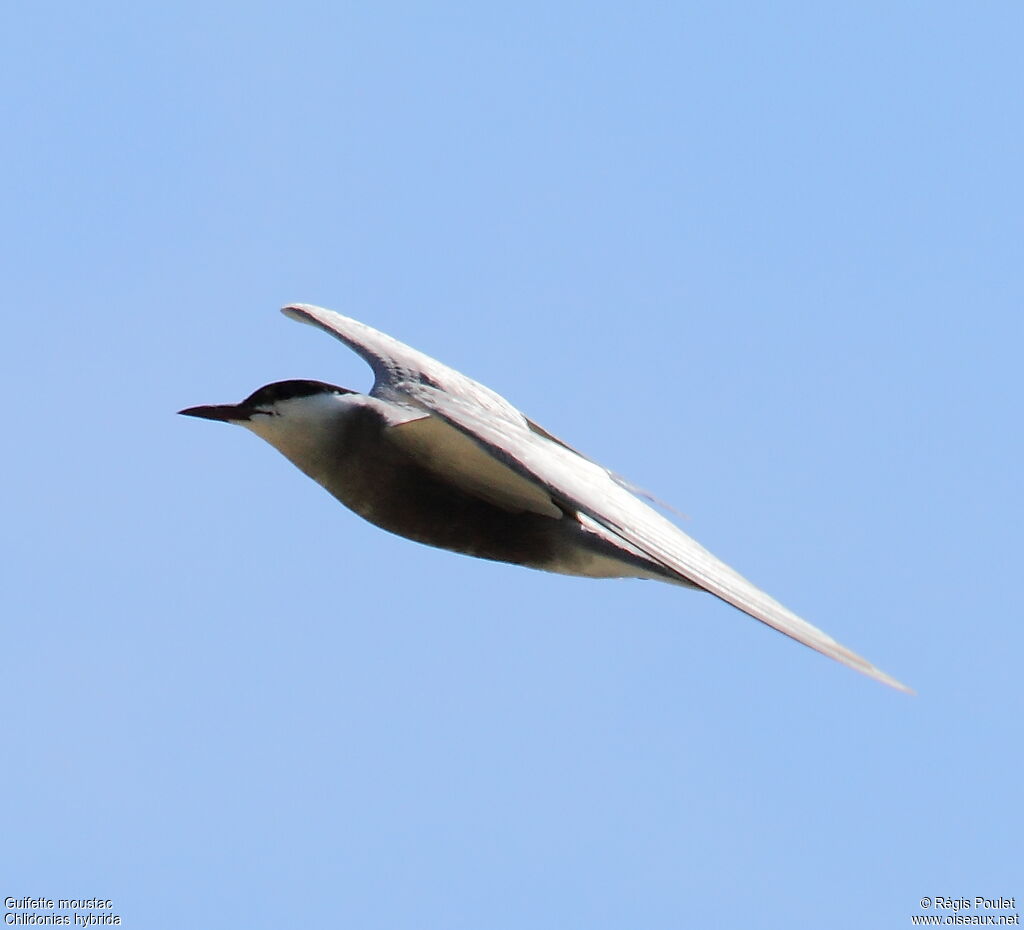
point(859, 664)
point(885, 679)
point(304, 313)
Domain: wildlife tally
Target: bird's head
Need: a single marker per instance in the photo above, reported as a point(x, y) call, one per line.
point(295, 417)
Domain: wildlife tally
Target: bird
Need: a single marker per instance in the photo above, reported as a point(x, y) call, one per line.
point(436, 457)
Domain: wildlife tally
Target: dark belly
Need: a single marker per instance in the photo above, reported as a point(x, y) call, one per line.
point(381, 483)
point(402, 497)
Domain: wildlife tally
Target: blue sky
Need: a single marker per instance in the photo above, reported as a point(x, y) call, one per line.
point(764, 259)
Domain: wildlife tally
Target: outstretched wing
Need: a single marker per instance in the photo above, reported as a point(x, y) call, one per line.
point(588, 489)
point(394, 362)
point(410, 378)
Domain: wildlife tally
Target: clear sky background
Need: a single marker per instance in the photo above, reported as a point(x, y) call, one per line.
point(764, 259)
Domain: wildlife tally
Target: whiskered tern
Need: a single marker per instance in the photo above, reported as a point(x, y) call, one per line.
point(436, 457)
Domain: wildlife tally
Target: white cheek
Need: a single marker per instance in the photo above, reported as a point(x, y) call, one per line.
point(292, 436)
point(261, 425)
point(298, 426)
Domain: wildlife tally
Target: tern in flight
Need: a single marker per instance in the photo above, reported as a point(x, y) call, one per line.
point(436, 457)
